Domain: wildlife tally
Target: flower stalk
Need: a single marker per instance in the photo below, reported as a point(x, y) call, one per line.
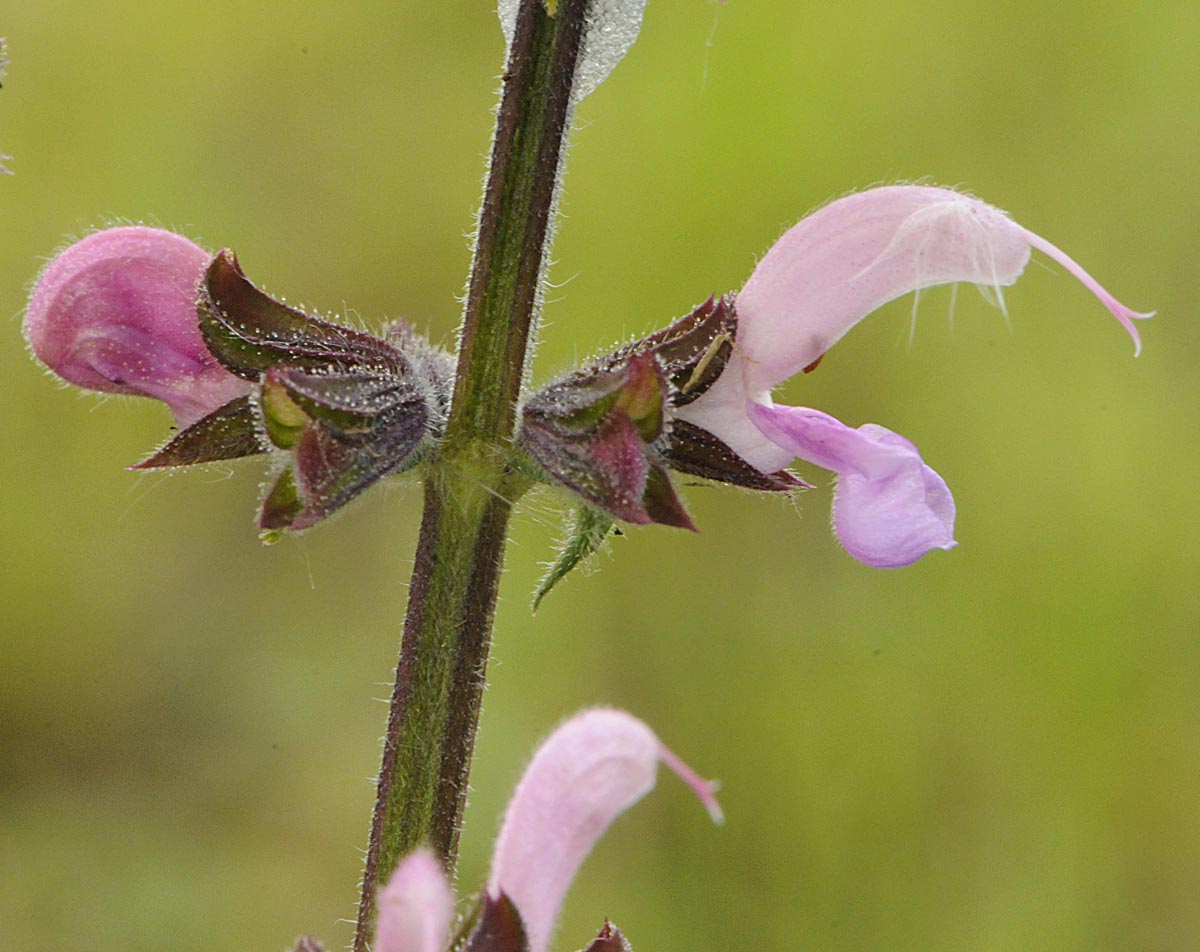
point(471, 487)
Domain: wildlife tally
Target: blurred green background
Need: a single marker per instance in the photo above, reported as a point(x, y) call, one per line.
point(996, 749)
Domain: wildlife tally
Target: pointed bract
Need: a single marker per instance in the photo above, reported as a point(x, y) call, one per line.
point(229, 432)
point(250, 332)
point(497, 927)
point(697, 452)
point(693, 350)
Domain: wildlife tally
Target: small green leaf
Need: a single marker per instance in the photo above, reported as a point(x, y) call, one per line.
point(589, 529)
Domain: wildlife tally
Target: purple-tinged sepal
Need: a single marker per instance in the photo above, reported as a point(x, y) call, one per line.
point(250, 332)
point(341, 407)
point(229, 432)
point(339, 433)
point(694, 451)
point(307, 943)
point(594, 431)
point(694, 353)
point(694, 350)
point(494, 926)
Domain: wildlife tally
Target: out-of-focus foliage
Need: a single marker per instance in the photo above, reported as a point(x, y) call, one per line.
point(994, 749)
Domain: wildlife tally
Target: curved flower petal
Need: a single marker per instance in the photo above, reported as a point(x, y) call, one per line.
point(116, 312)
point(415, 908)
point(844, 261)
point(851, 257)
point(585, 775)
point(889, 507)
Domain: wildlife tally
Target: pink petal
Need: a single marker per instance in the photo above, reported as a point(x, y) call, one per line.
point(846, 260)
point(116, 312)
point(415, 908)
point(585, 775)
point(889, 507)
point(849, 258)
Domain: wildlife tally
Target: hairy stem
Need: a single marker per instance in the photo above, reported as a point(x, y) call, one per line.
point(469, 493)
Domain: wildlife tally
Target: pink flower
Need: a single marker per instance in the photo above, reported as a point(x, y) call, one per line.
point(588, 772)
point(116, 312)
point(820, 279)
point(890, 508)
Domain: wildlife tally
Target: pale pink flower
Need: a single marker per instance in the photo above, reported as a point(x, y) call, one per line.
point(116, 312)
point(820, 279)
point(586, 774)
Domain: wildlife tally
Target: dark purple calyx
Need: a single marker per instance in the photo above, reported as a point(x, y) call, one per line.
point(341, 407)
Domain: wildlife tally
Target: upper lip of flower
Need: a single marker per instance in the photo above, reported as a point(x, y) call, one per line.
point(587, 772)
point(847, 259)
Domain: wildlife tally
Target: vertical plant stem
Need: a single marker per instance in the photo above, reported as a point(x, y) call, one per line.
point(469, 493)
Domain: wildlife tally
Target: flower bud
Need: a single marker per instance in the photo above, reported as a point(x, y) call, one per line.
point(116, 312)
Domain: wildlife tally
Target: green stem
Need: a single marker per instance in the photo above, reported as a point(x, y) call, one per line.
point(471, 487)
